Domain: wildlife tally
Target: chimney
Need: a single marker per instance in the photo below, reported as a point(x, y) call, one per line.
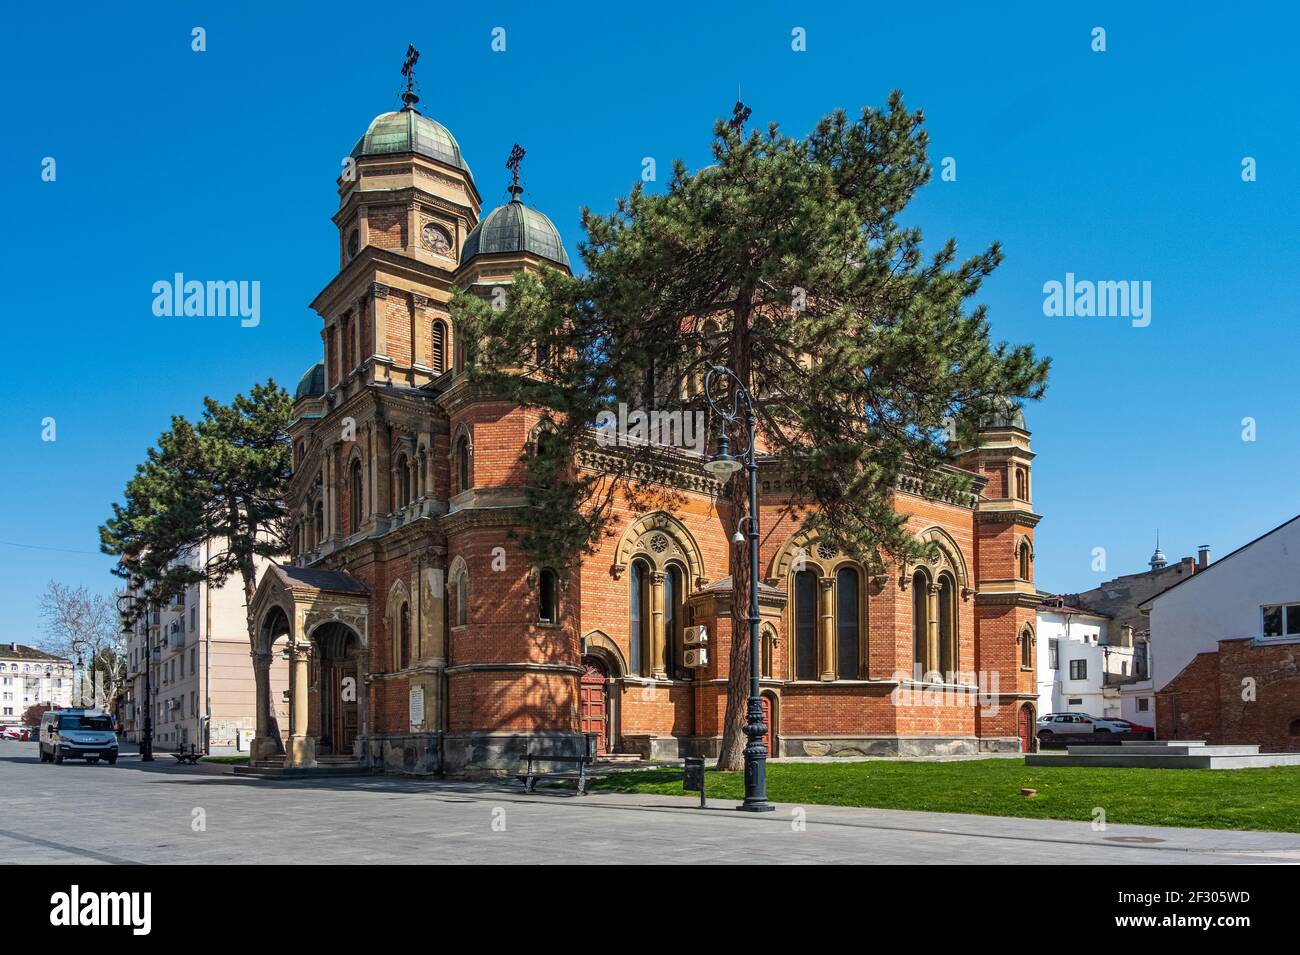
point(1203, 557)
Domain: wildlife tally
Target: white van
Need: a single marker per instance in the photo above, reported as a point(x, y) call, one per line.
point(77, 734)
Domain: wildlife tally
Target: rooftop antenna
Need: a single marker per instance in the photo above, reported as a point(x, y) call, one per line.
point(516, 157)
point(408, 70)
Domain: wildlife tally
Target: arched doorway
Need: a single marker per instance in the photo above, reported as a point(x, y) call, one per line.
point(770, 715)
point(593, 702)
point(337, 687)
point(1026, 729)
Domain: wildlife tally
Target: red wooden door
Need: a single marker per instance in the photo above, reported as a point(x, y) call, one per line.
point(767, 721)
point(1026, 730)
point(593, 704)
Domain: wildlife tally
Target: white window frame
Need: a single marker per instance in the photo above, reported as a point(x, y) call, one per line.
point(1282, 609)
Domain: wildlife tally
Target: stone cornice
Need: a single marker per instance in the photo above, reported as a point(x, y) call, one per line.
point(1018, 517)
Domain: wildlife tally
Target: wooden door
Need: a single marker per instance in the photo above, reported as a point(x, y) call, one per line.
point(769, 737)
point(593, 703)
point(1026, 730)
point(343, 686)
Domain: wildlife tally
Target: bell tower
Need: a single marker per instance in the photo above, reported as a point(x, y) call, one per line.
point(407, 201)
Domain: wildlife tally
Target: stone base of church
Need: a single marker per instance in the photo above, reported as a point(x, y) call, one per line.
point(405, 754)
point(1000, 744)
point(503, 754)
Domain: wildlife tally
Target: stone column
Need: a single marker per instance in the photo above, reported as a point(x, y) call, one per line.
point(383, 468)
point(658, 669)
point(263, 745)
point(932, 629)
point(827, 628)
point(301, 750)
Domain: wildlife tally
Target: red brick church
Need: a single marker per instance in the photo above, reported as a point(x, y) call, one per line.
point(421, 640)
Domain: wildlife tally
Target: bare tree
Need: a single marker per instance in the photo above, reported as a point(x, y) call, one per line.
point(80, 623)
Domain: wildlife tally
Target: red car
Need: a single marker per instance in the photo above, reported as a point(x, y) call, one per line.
point(1136, 730)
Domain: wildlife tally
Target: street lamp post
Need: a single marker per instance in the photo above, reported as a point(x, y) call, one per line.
point(722, 465)
point(126, 605)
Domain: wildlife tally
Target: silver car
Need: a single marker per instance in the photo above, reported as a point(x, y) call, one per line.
point(77, 734)
point(1077, 728)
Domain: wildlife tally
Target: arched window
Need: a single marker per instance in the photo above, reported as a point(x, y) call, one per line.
point(674, 614)
point(1294, 728)
point(462, 464)
point(768, 645)
point(402, 475)
point(920, 620)
point(947, 628)
point(318, 519)
point(847, 627)
point(1022, 484)
point(462, 600)
point(1024, 560)
point(439, 347)
point(404, 637)
point(354, 496)
point(805, 625)
point(639, 607)
point(547, 610)
point(1027, 648)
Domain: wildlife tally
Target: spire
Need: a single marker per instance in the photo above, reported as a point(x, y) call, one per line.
point(408, 70)
point(516, 157)
point(1158, 561)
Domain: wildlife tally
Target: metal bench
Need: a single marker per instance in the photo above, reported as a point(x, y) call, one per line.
point(182, 757)
point(530, 776)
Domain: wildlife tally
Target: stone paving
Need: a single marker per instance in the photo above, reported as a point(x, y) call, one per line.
point(161, 813)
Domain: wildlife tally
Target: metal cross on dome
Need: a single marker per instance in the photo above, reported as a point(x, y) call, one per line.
point(516, 157)
point(408, 70)
point(739, 114)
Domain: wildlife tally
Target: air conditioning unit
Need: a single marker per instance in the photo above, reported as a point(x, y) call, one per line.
point(695, 658)
point(695, 637)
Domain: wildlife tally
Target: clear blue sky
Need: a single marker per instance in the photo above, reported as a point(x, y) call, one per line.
point(1117, 165)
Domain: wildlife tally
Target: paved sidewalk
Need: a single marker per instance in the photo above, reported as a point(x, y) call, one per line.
point(160, 813)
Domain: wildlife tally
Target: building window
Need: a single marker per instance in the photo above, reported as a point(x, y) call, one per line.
point(1282, 620)
point(439, 347)
point(805, 625)
point(674, 615)
point(546, 609)
point(1022, 484)
point(404, 637)
point(1143, 704)
point(1027, 650)
point(462, 600)
point(1294, 728)
point(947, 628)
point(402, 474)
point(1078, 669)
point(1075, 701)
point(847, 626)
point(462, 464)
point(920, 620)
point(1054, 654)
point(639, 607)
point(354, 494)
point(1024, 560)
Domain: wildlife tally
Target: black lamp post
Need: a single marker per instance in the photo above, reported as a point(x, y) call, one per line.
point(126, 606)
point(722, 465)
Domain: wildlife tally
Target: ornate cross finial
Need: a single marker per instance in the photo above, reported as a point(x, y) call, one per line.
point(408, 70)
point(739, 113)
point(516, 157)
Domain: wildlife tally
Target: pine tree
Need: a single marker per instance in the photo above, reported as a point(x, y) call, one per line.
point(220, 481)
point(784, 261)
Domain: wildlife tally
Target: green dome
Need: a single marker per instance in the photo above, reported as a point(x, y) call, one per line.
point(406, 131)
point(515, 227)
point(312, 384)
point(1005, 414)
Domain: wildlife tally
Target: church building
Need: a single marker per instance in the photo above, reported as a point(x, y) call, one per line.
point(420, 639)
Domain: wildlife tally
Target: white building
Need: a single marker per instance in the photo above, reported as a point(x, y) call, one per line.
point(201, 681)
point(1252, 593)
point(30, 677)
point(1082, 665)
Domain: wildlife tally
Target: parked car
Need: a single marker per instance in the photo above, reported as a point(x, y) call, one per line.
point(77, 734)
point(1135, 730)
point(1062, 728)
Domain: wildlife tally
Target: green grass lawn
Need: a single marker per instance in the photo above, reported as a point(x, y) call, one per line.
point(224, 759)
point(1265, 799)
